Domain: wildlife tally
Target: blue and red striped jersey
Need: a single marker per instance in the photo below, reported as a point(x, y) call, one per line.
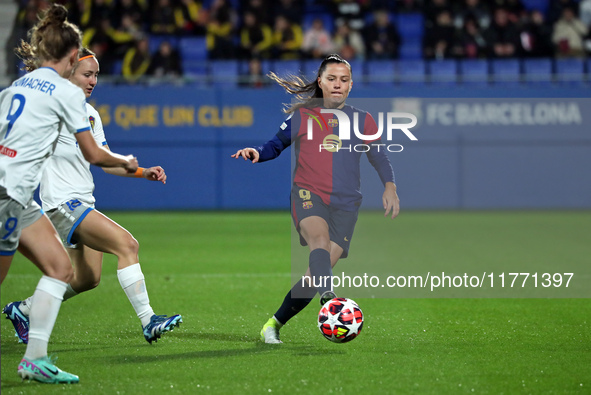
point(331, 173)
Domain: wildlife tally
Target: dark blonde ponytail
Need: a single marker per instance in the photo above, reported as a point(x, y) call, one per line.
point(51, 39)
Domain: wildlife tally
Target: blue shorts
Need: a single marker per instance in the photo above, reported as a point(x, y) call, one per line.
point(341, 223)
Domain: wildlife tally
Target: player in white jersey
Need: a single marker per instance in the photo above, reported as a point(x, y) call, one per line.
point(32, 110)
point(66, 193)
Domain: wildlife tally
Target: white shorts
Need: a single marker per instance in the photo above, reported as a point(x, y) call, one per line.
point(13, 219)
point(66, 218)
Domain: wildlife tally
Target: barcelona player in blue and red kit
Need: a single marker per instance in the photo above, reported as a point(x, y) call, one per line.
point(326, 195)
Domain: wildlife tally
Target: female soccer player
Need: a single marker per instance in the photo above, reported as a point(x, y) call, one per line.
point(66, 194)
point(31, 111)
point(325, 195)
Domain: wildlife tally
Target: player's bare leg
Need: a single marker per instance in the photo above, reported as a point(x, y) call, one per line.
point(5, 261)
point(41, 244)
point(102, 234)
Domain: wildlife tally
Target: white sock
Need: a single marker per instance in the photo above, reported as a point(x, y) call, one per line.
point(25, 306)
point(279, 324)
point(132, 281)
point(45, 307)
point(70, 293)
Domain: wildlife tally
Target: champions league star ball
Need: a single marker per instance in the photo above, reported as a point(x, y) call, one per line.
point(340, 320)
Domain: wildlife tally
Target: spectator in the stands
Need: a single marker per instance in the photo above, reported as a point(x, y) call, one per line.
point(317, 41)
point(471, 43)
point(290, 9)
point(130, 9)
point(382, 40)
point(474, 9)
point(514, 8)
point(556, 8)
point(26, 18)
point(502, 36)
point(351, 12)
point(162, 20)
point(256, 38)
point(220, 29)
point(585, 12)
point(433, 8)
point(262, 9)
point(568, 35)
point(190, 17)
point(95, 10)
point(254, 76)
point(440, 38)
point(536, 36)
point(287, 39)
point(349, 43)
point(165, 62)
point(136, 60)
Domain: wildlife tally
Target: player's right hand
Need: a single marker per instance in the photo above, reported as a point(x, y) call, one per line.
point(132, 164)
point(247, 153)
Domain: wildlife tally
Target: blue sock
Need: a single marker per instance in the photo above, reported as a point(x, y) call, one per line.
point(321, 270)
point(295, 301)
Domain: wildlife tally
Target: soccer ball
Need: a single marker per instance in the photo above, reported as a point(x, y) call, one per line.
point(340, 320)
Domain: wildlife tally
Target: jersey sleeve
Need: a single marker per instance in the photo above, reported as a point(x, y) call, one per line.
point(377, 153)
point(74, 112)
point(97, 126)
point(273, 148)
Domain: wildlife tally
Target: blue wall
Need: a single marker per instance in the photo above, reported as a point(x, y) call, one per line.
point(486, 164)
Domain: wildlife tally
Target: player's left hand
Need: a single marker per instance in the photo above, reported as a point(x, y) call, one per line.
point(390, 200)
point(155, 173)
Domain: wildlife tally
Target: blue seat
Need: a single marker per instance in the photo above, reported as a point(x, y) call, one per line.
point(193, 48)
point(410, 25)
point(411, 49)
point(194, 67)
point(224, 73)
point(570, 71)
point(380, 72)
point(474, 72)
point(506, 71)
point(537, 71)
point(541, 5)
point(443, 72)
point(411, 72)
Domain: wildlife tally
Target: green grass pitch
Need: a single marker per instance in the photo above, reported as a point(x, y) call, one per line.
point(227, 273)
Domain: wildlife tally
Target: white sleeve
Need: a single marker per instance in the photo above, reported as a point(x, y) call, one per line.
point(74, 112)
point(96, 122)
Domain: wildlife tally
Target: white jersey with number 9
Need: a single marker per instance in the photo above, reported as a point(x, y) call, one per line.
point(32, 112)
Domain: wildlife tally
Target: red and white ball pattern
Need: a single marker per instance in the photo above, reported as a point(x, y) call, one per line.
point(340, 320)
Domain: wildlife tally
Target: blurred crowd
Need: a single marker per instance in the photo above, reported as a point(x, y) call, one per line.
point(118, 31)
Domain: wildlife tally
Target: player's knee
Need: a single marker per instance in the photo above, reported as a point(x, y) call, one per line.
point(60, 272)
point(319, 241)
point(130, 247)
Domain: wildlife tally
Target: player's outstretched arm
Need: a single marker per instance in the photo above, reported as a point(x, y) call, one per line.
point(154, 173)
point(101, 157)
point(390, 200)
point(247, 153)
